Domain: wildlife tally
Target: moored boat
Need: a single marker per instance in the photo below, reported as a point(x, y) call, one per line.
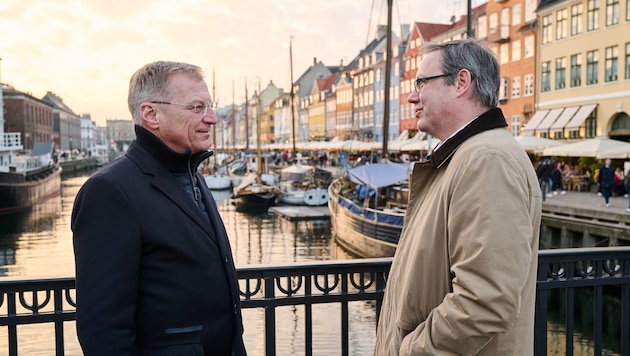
point(255, 193)
point(303, 185)
point(26, 180)
point(367, 208)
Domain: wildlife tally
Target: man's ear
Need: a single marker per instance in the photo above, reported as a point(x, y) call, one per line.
point(464, 81)
point(149, 117)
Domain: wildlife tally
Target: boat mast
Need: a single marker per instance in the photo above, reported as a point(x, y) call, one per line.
point(233, 119)
point(292, 97)
point(214, 127)
point(388, 74)
point(260, 164)
point(246, 119)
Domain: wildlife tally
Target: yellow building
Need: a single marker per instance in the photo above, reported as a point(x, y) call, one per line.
point(583, 72)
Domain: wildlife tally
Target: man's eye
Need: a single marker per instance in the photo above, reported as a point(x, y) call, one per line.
point(196, 108)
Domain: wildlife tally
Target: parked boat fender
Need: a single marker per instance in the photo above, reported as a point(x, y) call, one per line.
point(316, 196)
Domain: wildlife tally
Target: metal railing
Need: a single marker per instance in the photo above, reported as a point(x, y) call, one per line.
point(603, 271)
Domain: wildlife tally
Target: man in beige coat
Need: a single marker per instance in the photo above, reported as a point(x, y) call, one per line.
point(463, 279)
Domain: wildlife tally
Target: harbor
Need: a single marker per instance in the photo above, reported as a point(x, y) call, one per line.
point(38, 245)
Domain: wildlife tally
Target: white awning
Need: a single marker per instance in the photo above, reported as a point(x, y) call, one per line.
point(566, 116)
point(534, 121)
point(580, 116)
point(549, 120)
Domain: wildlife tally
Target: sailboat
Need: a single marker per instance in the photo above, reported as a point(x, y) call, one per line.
point(257, 190)
point(218, 178)
point(367, 205)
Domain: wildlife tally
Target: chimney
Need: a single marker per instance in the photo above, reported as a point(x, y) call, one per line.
point(314, 60)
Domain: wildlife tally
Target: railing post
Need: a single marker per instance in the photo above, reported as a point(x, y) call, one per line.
point(270, 315)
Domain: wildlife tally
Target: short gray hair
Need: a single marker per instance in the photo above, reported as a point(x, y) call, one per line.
point(151, 82)
point(477, 58)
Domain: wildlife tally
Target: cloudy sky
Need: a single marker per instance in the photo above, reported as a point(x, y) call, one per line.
point(85, 50)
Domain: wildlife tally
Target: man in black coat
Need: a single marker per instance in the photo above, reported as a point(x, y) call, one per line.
point(154, 268)
point(606, 179)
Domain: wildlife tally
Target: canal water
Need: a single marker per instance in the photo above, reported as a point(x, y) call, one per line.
point(38, 244)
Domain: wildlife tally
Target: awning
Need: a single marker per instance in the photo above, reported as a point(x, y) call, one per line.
point(549, 120)
point(534, 121)
point(580, 116)
point(566, 116)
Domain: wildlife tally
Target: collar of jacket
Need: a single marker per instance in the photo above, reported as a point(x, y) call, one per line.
point(489, 120)
point(173, 161)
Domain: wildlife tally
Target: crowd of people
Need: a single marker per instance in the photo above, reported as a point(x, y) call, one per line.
point(607, 180)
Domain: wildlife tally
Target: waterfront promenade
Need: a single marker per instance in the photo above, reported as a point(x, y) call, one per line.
point(589, 200)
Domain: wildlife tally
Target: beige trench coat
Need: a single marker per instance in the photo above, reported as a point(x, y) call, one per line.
point(463, 279)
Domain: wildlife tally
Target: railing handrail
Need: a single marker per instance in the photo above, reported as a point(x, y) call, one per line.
point(343, 281)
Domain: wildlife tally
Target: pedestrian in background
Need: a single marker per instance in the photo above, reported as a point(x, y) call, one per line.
point(154, 268)
point(463, 278)
point(606, 179)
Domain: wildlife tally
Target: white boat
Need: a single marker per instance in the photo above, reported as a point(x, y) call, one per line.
point(26, 180)
point(218, 181)
point(303, 185)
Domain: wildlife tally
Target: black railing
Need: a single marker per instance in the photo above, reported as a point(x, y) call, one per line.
point(602, 272)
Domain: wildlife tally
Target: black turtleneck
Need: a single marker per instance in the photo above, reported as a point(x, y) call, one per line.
point(183, 166)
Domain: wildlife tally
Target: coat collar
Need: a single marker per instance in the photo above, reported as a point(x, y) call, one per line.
point(489, 120)
point(165, 156)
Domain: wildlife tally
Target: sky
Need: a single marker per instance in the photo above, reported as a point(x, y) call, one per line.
point(85, 51)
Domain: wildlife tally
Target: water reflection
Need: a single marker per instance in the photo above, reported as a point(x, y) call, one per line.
point(39, 244)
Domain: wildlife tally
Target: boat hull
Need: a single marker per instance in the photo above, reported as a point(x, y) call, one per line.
point(218, 182)
point(16, 195)
point(363, 232)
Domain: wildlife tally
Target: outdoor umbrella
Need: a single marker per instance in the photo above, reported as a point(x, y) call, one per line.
point(615, 153)
point(535, 144)
point(586, 148)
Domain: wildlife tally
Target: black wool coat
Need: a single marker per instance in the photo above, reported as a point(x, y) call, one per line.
point(154, 273)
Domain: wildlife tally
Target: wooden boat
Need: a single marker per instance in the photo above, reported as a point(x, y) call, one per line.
point(255, 193)
point(367, 207)
point(26, 180)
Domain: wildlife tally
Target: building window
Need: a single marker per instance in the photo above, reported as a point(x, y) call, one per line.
point(505, 22)
point(576, 70)
point(505, 57)
point(612, 12)
point(576, 19)
point(592, 60)
point(516, 50)
point(482, 27)
point(529, 47)
point(612, 63)
point(516, 14)
point(516, 87)
point(592, 16)
point(545, 76)
point(528, 88)
point(627, 10)
point(494, 23)
point(516, 125)
point(591, 125)
point(561, 73)
point(530, 10)
point(562, 24)
point(503, 91)
point(627, 76)
point(546, 30)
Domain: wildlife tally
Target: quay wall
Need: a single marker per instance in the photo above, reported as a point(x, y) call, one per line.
point(566, 226)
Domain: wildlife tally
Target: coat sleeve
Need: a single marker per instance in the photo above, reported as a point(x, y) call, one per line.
point(490, 235)
point(107, 247)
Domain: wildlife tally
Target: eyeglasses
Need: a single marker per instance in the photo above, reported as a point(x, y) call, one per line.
point(200, 109)
point(420, 82)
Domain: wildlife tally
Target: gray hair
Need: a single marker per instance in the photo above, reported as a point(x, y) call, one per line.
point(477, 58)
point(151, 82)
